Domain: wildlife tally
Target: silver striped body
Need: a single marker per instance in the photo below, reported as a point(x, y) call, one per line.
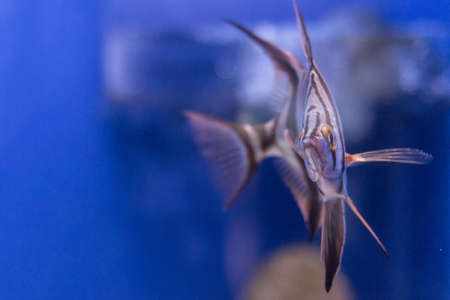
point(320, 110)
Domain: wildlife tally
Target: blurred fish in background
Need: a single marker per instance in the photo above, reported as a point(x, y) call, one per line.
point(103, 194)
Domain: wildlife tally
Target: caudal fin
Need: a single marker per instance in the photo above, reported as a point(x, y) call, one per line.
point(333, 236)
point(229, 151)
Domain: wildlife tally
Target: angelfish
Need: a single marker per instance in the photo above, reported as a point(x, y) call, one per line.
point(235, 150)
point(313, 166)
point(320, 143)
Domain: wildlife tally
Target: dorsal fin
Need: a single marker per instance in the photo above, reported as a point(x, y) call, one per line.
point(306, 43)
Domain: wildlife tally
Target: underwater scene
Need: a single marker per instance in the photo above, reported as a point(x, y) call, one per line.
point(225, 150)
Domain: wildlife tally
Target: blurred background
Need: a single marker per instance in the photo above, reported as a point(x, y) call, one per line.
point(105, 196)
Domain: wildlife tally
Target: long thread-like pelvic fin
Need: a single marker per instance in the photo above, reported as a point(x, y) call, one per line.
point(398, 155)
point(283, 60)
point(361, 218)
point(306, 43)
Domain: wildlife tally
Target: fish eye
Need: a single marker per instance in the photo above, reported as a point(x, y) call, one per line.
point(331, 141)
point(328, 135)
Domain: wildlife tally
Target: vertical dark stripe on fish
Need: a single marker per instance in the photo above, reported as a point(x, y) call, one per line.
point(245, 137)
point(306, 124)
point(317, 122)
point(334, 158)
point(325, 88)
point(311, 108)
point(341, 185)
point(327, 113)
point(266, 138)
point(308, 92)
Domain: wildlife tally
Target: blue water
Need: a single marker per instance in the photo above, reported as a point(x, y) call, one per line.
point(95, 207)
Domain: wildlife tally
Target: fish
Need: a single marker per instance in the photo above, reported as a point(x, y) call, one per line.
point(307, 140)
point(320, 143)
point(234, 151)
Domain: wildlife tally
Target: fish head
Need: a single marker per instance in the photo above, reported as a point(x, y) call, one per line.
point(319, 152)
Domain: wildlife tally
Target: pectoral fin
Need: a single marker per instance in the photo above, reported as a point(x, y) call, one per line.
point(398, 155)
